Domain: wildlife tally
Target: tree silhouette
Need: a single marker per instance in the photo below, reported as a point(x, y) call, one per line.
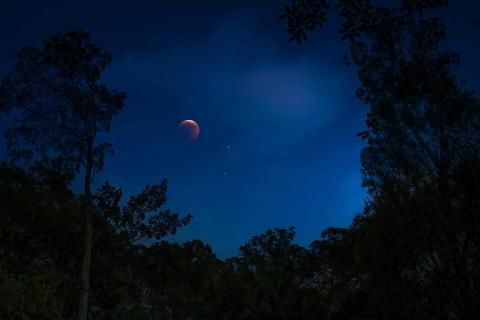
point(39, 237)
point(121, 237)
point(413, 253)
point(180, 280)
point(419, 230)
point(60, 110)
point(275, 270)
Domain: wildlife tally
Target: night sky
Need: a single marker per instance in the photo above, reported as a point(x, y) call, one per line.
point(277, 146)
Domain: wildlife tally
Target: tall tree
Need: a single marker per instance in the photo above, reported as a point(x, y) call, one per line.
point(61, 108)
point(421, 223)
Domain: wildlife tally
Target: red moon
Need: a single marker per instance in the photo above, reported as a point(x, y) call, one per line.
point(190, 128)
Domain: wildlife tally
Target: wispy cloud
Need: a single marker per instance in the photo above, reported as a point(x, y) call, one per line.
point(261, 105)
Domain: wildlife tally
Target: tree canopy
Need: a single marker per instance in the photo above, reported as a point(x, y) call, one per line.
point(412, 253)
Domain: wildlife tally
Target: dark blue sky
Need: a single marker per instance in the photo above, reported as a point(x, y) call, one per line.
point(278, 121)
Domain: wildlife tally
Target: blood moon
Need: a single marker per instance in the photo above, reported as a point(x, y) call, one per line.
point(189, 128)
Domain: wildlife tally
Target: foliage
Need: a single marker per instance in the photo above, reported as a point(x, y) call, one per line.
point(413, 253)
point(59, 105)
point(418, 244)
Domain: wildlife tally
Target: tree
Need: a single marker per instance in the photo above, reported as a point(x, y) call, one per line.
point(41, 229)
point(61, 108)
point(421, 223)
point(179, 280)
point(333, 271)
point(275, 270)
point(39, 233)
point(122, 233)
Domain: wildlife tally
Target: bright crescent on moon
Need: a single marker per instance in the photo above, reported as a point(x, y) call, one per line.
point(191, 127)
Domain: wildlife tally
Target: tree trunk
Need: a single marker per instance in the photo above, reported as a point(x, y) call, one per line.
point(85, 271)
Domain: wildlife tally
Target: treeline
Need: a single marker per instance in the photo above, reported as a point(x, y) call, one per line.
point(413, 253)
point(41, 252)
point(380, 268)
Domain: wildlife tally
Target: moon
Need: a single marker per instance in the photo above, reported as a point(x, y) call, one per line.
point(190, 128)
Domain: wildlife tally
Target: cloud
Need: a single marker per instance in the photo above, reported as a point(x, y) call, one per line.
point(252, 91)
point(234, 79)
